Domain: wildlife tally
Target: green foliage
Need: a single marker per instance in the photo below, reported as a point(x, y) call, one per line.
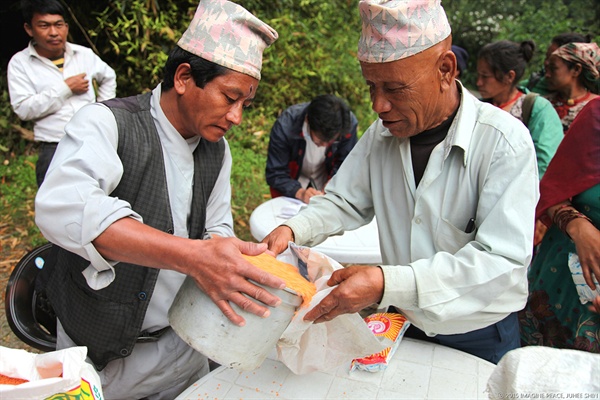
point(249, 188)
point(136, 37)
point(478, 22)
point(11, 140)
point(17, 193)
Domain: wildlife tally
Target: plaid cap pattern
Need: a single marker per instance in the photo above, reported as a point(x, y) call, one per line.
point(229, 35)
point(586, 54)
point(392, 30)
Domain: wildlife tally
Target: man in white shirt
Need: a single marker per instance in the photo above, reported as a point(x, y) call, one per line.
point(453, 183)
point(138, 197)
point(51, 78)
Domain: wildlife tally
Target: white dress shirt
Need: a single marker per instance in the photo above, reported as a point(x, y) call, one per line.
point(73, 205)
point(38, 90)
point(313, 164)
point(445, 280)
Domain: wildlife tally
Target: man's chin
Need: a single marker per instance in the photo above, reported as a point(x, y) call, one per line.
point(398, 128)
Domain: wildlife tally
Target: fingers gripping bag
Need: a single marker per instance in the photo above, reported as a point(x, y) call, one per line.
point(61, 374)
point(306, 347)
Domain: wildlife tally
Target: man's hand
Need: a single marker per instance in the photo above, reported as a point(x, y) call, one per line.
point(304, 195)
point(278, 239)
point(216, 265)
point(221, 272)
point(78, 84)
point(359, 286)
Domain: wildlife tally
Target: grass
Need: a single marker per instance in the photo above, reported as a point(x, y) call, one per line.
point(17, 194)
point(18, 189)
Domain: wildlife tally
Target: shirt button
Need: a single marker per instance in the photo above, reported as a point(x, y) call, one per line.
point(142, 296)
point(170, 231)
point(124, 352)
point(417, 220)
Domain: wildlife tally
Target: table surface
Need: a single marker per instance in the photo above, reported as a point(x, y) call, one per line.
point(418, 370)
point(360, 246)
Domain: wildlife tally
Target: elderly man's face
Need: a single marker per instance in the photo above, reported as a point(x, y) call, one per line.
point(405, 93)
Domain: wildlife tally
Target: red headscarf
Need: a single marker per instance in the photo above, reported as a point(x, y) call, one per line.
point(576, 164)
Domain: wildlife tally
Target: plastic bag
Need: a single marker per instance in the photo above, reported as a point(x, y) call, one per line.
point(389, 325)
point(306, 347)
point(61, 374)
point(586, 294)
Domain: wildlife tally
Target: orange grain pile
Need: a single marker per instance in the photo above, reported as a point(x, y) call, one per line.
point(292, 278)
point(7, 380)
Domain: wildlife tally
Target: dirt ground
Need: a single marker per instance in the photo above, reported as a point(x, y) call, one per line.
point(10, 255)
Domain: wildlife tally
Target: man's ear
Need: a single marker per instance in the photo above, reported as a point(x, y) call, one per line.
point(447, 69)
point(183, 77)
point(28, 29)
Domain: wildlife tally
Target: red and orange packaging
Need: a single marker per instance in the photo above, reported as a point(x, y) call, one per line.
point(389, 325)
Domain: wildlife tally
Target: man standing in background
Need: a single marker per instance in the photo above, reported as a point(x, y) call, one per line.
point(51, 79)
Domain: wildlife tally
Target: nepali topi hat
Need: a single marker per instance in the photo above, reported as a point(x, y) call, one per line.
point(229, 35)
point(393, 30)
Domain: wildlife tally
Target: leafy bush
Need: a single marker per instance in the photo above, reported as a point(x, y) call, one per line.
point(17, 192)
point(15, 135)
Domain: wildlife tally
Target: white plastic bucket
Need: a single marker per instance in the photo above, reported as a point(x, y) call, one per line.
point(201, 324)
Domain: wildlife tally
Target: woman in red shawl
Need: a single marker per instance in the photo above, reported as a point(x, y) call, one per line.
point(570, 206)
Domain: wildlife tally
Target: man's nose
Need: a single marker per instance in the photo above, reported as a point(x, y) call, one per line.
point(380, 103)
point(235, 114)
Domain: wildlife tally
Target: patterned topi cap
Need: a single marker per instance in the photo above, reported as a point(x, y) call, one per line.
point(393, 30)
point(229, 35)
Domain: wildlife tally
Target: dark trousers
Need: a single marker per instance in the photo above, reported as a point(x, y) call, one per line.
point(45, 153)
point(489, 343)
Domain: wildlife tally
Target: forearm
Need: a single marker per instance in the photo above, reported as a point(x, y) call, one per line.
point(128, 240)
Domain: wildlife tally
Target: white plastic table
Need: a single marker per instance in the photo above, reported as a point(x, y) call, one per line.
point(418, 370)
point(360, 246)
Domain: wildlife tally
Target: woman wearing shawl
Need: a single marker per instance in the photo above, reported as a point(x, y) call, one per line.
point(569, 206)
point(572, 73)
point(500, 66)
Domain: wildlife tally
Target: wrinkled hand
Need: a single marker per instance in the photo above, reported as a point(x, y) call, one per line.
point(278, 239)
point(221, 272)
point(78, 84)
point(587, 242)
point(359, 286)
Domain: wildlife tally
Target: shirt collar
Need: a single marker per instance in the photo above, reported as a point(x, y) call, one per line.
point(69, 50)
point(466, 119)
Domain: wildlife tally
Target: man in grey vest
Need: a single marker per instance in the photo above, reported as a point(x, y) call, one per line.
point(135, 183)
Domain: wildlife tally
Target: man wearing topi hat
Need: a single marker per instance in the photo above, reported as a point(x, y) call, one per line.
point(134, 183)
point(453, 183)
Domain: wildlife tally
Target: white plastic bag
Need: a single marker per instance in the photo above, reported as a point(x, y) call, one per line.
point(306, 347)
point(586, 294)
point(58, 374)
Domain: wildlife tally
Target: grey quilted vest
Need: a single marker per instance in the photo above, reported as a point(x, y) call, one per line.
point(108, 321)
